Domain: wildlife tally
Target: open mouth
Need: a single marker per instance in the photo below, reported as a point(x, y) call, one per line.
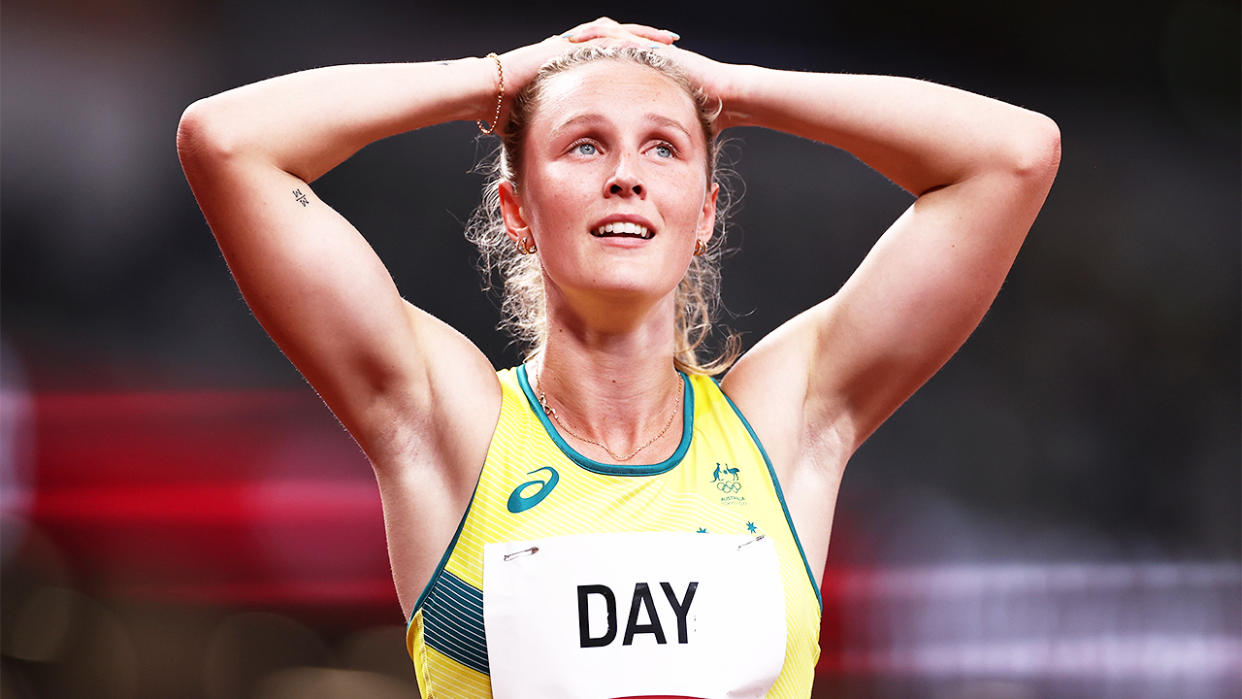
point(623, 229)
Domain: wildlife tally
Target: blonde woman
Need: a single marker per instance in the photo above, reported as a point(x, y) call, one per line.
point(608, 519)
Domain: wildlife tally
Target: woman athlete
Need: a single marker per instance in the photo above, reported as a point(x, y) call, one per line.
point(606, 520)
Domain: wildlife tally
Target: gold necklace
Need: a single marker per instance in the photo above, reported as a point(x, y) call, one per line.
point(550, 411)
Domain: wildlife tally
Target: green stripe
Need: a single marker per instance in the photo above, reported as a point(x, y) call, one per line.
point(453, 622)
point(779, 495)
point(687, 430)
point(448, 551)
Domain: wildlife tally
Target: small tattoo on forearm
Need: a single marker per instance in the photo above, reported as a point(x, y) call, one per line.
point(297, 194)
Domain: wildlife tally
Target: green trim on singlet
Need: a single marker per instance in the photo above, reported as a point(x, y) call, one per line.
point(779, 495)
point(448, 551)
point(687, 429)
point(453, 622)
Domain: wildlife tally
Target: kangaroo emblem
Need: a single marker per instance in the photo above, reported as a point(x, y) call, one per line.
point(726, 478)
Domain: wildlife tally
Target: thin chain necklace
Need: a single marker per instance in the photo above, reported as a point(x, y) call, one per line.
point(550, 411)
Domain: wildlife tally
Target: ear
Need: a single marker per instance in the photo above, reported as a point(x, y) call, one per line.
point(512, 211)
point(707, 217)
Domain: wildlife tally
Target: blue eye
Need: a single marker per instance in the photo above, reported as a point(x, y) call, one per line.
point(664, 150)
point(585, 148)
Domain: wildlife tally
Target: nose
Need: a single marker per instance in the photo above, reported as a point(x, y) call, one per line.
point(616, 187)
point(625, 180)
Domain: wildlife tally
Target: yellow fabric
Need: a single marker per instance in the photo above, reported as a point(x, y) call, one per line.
point(698, 492)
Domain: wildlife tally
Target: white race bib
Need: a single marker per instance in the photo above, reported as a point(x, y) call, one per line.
point(599, 616)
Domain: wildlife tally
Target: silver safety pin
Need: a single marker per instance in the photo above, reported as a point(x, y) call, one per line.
point(761, 537)
point(524, 552)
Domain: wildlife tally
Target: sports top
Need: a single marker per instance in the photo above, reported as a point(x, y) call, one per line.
point(534, 485)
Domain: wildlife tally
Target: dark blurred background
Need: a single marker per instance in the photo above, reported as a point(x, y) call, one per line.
point(1056, 514)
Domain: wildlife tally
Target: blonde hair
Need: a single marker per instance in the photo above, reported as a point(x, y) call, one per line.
point(523, 315)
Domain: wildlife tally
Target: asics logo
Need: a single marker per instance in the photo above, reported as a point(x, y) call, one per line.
point(521, 503)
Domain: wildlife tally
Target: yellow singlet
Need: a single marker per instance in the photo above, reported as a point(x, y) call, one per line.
point(534, 485)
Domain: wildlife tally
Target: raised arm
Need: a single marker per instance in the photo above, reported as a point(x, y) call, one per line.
point(313, 282)
point(408, 387)
point(980, 170)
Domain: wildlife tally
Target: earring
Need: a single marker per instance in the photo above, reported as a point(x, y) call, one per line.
point(526, 245)
point(699, 247)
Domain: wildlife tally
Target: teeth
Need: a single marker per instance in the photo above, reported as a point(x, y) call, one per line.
point(623, 228)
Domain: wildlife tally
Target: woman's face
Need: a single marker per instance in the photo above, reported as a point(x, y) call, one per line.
point(613, 184)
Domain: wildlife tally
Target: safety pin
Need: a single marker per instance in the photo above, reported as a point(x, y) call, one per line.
point(761, 537)
point(524, 552)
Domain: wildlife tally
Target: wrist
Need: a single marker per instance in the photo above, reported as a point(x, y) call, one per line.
point(487, 80)
point(490, 122)
point(464, 89)
point(738, 92)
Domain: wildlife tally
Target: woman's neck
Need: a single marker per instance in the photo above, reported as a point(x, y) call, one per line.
point(617, 388)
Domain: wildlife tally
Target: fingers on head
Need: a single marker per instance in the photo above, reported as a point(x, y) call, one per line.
point(599, 27)
point(661, 35)
point(605, 27)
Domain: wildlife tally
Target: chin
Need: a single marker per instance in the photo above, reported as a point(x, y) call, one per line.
point(615, 275)
point(615, 285)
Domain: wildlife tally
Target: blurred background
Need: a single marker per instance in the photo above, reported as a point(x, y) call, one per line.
point(1056, 514)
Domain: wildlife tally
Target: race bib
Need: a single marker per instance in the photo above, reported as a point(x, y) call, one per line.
point(601, 616)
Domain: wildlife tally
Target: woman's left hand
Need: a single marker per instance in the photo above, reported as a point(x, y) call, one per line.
point(719, 81)
point(611, 32)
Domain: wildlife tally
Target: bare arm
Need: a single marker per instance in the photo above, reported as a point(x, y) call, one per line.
point(408, 387)
point(980, 170)
point(419, 398)
point(312, 281)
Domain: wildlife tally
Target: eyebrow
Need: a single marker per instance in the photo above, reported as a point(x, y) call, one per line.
point(592, 117)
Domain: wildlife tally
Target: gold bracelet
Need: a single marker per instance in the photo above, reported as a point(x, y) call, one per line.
point(500, 96)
